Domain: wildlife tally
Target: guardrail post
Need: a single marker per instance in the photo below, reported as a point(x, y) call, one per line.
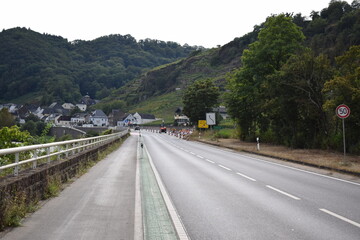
point(66, 149)
point(48, 153)
point(59, 150)
point(73, 151)
point(16, 169)
point(34, 162)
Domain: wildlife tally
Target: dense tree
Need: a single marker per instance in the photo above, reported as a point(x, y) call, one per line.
point(13, 137)
point(300, 100)
point(199, 98)
point(253, 87)
point(6, 119)
point(344, 88)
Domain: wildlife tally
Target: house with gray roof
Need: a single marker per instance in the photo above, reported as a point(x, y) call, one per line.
point(99, 119)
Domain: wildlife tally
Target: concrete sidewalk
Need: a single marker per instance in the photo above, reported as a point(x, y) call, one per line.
point(98, 205)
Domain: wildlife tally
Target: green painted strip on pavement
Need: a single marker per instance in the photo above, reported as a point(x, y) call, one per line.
point(156, 219)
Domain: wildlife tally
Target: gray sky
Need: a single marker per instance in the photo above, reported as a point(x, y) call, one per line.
point(196, 22)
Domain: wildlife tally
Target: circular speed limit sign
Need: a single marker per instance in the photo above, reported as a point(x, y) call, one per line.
point(343, 111)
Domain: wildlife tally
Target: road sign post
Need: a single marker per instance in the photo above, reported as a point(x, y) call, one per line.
point(343, 111)
point(210, 119)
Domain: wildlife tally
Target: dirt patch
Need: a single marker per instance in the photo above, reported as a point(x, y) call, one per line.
point(312, 157)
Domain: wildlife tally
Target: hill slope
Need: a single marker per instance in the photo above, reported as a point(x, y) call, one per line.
point(331, 31)
point(32, 63)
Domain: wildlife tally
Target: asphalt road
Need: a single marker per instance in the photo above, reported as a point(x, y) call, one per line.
point(99, 205)
point(222, 194)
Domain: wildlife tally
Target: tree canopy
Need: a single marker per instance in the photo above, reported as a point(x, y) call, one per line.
point(287, 93)
point(199, 98)
point(54, 69)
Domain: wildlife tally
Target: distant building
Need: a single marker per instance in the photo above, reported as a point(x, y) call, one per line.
point(81, 106)
point(80, 119)
point(115, 116)
point(87, 100)
point(180, 119)
point(127, 120)
point(63, 121)
point(68, 106)
point(98, 118)
point(58, 108)
point(142, 118)
point(222, 111)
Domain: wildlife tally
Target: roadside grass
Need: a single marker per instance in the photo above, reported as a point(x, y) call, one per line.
point(320, 158)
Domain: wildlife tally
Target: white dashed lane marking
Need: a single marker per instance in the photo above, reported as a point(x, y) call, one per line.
point(247, 177)
point(224, 167)
point(340, 217)
point(282, 192)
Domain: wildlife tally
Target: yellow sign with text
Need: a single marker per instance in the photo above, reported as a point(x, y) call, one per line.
point(202, 124)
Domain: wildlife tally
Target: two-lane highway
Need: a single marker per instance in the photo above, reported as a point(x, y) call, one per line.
point(222, 194)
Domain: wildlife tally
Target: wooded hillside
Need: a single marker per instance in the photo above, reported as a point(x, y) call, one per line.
point(49, 68)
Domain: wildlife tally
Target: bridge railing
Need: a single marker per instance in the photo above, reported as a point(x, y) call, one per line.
point(31, 156)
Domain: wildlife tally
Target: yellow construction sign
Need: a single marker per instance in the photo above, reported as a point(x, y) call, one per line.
point(202, 124)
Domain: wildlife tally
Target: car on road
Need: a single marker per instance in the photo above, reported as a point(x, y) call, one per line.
point(163, 129)
point(137, 128)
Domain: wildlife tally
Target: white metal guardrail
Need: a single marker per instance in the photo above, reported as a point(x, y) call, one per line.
point(51, 151)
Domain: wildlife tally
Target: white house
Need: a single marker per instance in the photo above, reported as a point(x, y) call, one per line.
point(80, 118)
point(127, 120)
point(68, 106)
point(81, 106)
point(142, 118)
point(99, 118)
point(63, 121)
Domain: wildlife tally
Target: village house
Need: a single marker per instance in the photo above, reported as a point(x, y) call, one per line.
point(222, 111)
point(115, 116)
point(180, 119)
point(98, 118)
point(68, 106)
point(81, 106)
point(142, 118)
point(127, 120)
point(80, 119)
point(63, 121)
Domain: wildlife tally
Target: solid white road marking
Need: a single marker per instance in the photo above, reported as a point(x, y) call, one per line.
point(179, 227)
point(340, 217)
point(243, 175)
point(209, 161)
point(224, 167)
point(298, 169)
point(282, 192)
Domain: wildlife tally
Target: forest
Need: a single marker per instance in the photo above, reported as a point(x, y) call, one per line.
point(295, 75)
point(50, 68)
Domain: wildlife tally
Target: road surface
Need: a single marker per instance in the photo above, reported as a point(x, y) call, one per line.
point(221, 194)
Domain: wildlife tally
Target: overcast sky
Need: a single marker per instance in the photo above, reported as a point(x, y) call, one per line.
point(205, 23)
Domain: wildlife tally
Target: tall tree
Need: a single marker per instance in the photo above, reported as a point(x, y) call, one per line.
point(253, 87)
point(200, 98)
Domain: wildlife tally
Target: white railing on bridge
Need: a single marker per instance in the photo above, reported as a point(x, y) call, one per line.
point(45, 153)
